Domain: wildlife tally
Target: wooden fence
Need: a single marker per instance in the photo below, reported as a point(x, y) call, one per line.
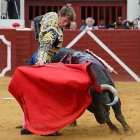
point(124, 43)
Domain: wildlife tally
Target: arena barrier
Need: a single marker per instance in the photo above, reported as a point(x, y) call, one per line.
point(125, 44)
point(106, 49)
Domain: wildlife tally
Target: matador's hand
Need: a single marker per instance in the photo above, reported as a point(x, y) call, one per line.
point(40, 63)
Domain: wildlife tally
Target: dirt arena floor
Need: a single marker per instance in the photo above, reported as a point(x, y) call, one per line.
point(87, 129)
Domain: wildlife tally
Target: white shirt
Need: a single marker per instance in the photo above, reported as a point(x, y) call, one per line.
point(100, 26)
point(90, 28)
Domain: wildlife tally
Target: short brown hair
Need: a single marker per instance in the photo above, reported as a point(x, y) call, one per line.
point(68, 11)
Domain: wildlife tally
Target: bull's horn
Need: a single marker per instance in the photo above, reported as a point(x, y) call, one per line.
point(112, 90)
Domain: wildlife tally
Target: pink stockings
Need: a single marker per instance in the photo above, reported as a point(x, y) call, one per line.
point(24, 122)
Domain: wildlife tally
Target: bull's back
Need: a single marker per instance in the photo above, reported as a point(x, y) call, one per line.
point(61, 54)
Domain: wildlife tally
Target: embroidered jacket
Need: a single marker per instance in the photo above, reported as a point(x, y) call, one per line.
point(50, 36)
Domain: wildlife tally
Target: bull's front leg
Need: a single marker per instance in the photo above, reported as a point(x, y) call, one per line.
point(119, 116)
point(112, 127)
point(126, 127)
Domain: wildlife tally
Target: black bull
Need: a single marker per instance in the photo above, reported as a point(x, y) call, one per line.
point(98, 105)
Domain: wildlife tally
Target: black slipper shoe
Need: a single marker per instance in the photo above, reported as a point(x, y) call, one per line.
point(25, 132)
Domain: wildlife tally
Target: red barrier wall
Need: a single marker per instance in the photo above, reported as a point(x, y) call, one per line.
point(124, 43)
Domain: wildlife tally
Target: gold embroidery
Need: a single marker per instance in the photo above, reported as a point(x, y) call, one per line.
point(37, 25)
point(50, 56)
point(59, 44)
point(49, 33)
point(45, 44)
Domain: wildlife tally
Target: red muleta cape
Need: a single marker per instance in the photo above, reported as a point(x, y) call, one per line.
point(52, 96)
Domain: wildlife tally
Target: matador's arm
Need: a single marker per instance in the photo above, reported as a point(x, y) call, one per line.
point(45, 45)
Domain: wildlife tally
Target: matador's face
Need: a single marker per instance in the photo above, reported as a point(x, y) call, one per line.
point(62, 21)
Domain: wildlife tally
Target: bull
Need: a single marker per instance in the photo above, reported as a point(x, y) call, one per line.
point(100, 105)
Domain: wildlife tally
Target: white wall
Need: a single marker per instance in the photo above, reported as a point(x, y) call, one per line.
point(8, 22)
point(22, 9)
point(133, 9)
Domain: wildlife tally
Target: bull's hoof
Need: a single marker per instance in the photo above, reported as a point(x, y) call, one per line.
point(114, 129)
point(129, 131)
point(25, 132)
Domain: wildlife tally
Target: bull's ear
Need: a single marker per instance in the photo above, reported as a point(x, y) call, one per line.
point(64, 59)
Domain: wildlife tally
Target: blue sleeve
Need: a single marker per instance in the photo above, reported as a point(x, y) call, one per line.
point(82, 28)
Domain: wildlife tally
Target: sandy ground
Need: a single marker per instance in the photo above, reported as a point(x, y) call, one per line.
point(87, 129)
